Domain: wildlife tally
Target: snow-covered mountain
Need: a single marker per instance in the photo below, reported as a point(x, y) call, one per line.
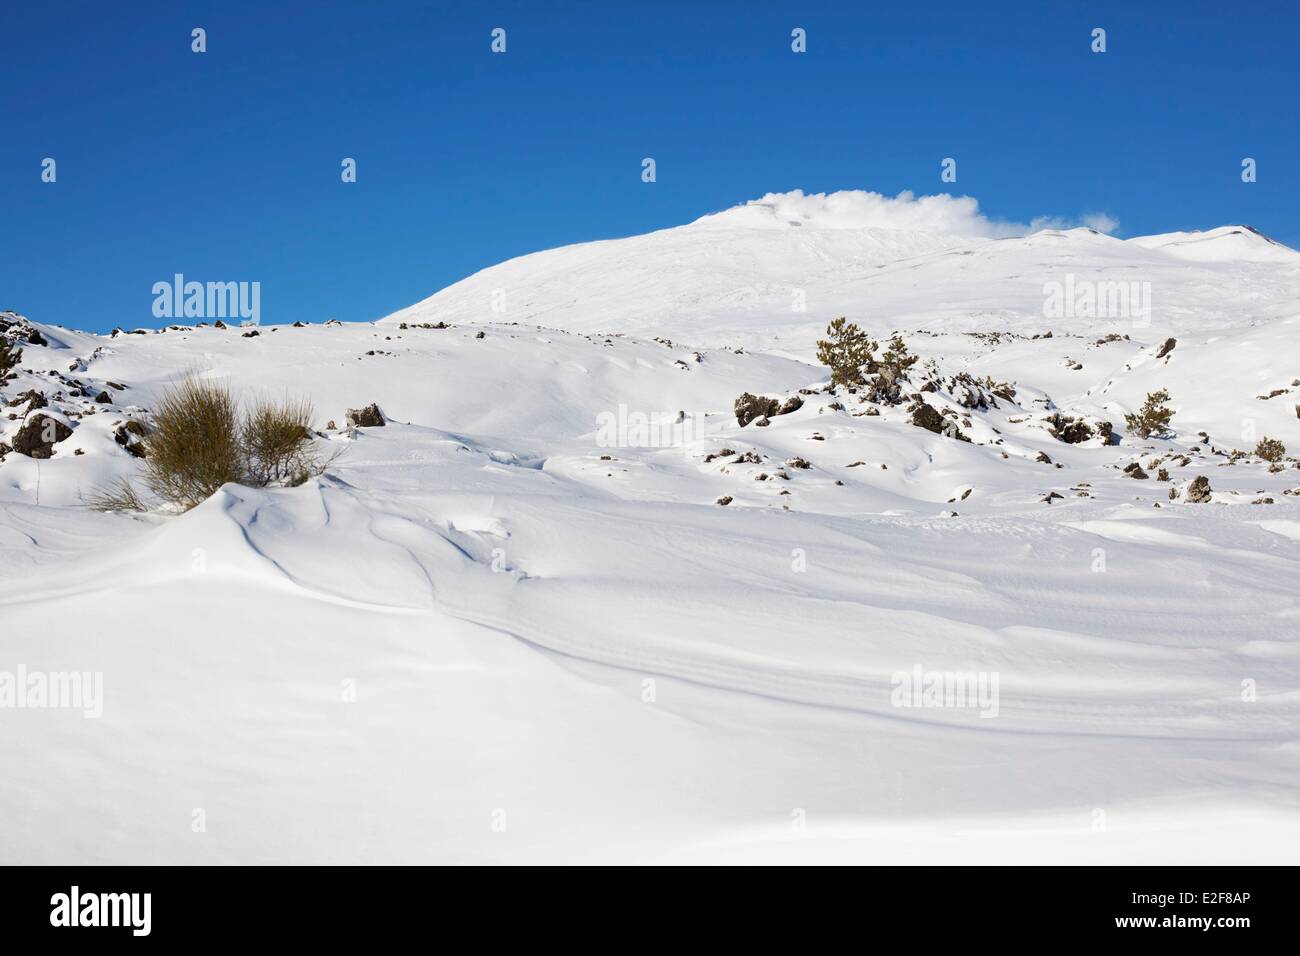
point(516, 623)
point(773, 271)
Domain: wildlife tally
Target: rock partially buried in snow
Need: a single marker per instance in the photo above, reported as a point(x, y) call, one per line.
point(791, 404)
point(1072, 431)
point(368, 417)
point(925, 415)
point(750, 407)
point(37, 438)
point(34, 398)
point(128, 434)
point(1198, 492)
point(759, 408)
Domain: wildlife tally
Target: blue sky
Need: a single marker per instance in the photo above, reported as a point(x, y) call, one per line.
point(225, 165)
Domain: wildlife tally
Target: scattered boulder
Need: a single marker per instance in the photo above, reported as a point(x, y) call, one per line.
point(103, 398)
point(1166, 348)
point(368, 417)
point(925, 415)
point(37, 438)
point(759, 408)
point(34, 337)
point(1073, 430)
point(791, 404)
point(1198, 492)
point(128, 435)
point(34, 398)
point(749, 407)
point(724, 500)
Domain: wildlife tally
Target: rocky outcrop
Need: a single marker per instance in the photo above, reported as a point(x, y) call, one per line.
point(925, 415)
point(750, 408)
point(368, 417)
point(1072, 431)
point(35, 399)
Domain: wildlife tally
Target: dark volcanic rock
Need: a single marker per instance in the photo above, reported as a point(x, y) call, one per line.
point(925, 415)
point(37, 438)
point(128, 435)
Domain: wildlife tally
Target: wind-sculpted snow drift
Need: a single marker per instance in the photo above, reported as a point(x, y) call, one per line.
point(516, 623)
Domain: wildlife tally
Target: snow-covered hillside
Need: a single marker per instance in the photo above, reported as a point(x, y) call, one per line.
point(565, 606)
point(769, 273)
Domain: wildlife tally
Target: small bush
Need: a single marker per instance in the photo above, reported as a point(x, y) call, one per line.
point(1153, 417)
point(198, 441)
point(194, 446)
point(277, 442)
point(119, 496)
point(10, 356)
point(846, 351)
point(892, 371)
point(1270, 449)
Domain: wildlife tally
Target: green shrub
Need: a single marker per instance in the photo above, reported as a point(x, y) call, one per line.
point(1270, 449)
point(892, 370)
point(1153, 417)
point(847, 352)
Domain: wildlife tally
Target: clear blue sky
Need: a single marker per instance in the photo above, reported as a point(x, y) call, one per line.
point(225, 165)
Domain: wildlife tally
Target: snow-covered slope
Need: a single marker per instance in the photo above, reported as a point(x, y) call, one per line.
point(774, 271)
point(509, 626)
